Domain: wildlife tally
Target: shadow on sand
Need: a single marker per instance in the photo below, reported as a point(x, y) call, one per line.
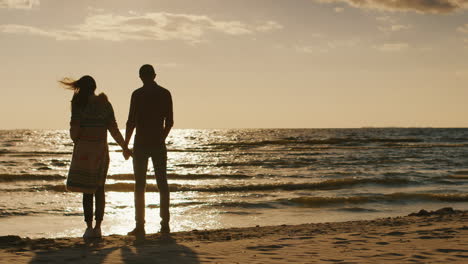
point(160, 250)
point(123, 250)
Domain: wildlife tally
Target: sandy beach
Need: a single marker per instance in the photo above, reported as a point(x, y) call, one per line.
point(425, 237)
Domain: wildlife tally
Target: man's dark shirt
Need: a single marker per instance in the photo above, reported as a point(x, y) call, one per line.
point(150, 112)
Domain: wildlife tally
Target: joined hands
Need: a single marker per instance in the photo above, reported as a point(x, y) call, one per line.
point(127, 153)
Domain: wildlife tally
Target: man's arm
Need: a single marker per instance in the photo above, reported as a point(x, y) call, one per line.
point(169, 122)
point(114, 128)
point(130, 121)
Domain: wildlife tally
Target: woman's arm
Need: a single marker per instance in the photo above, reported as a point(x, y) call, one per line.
point(115, 133)
point(74, 130)
point(75, 123)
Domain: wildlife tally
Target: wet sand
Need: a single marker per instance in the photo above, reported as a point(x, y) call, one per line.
point(425, 237)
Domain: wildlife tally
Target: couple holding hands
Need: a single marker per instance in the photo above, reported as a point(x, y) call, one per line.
point(92, 116)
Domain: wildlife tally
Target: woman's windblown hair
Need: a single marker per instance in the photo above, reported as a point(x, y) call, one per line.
point(83, 88)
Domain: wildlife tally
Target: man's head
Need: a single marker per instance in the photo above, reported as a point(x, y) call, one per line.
point(147, 73)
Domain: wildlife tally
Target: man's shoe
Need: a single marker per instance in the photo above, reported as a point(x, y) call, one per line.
point(97, 233)
point(165, 229)
point(138, 232)
point(89, 233)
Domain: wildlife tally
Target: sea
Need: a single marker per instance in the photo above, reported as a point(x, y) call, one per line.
point(223, 178)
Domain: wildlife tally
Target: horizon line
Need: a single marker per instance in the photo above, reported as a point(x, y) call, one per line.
point(233, 128)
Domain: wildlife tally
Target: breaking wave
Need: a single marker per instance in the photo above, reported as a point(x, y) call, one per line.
point(29, 177)
point(14, 153)
point(394, 197)
point(328, 141)
point(324, 185)
point(186, 176)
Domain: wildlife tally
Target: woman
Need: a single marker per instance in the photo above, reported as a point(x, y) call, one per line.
point(92, 115)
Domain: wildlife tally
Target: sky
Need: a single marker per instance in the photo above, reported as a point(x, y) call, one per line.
point(242, 63)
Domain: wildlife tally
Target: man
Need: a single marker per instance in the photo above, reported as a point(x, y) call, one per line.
point(151, 114)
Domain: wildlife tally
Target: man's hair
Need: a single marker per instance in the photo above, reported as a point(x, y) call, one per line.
point(147, 70)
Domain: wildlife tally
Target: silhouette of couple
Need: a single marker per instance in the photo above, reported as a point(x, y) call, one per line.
point(92, 115)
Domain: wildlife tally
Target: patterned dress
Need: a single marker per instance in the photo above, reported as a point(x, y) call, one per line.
point(88, 130)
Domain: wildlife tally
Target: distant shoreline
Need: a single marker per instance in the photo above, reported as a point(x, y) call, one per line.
point(267, 128)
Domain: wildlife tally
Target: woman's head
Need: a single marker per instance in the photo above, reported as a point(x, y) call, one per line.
point(83, 88)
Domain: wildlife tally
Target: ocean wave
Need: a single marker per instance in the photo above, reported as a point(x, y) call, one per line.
point(394, 197)
point(15, 153)
point(185, 176)
point(324, 185)
point(9, 163)
point(426, 145)
point(271, 163)
point(14, 140)
point(29, 177)
point(54, 177)
point(19, 212)
point(190, 150)
point(328, 141)
point(4, 151)
point(183, 204)
point(60, 163)
point(458, 176)
point(247, 205)
point(239, 213)
point(357, 210)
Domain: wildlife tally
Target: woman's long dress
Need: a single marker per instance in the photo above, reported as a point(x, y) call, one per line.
point(90, 159)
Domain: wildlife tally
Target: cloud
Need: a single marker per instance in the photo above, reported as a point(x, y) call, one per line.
point(462, 73)
point(390, 24)
point(421, 6)
point(149, 26)
point(426, 49)
point(343, 43)
point(311, 49)
point(386, 19)
point(463, 29)
point(392, 47)
point(338, 9)
point(269, 26)
point(327, 47)
point(394, 28)
point(26, 30)
point(169, 65)
point(19, 4)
